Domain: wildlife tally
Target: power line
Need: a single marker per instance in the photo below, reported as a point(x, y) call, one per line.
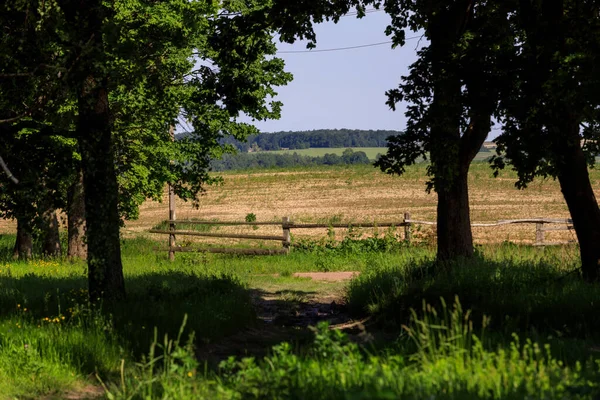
point(343, 48)
point(369, 11)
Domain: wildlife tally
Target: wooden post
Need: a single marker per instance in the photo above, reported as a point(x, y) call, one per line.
point(407, 232)
point(172, 214)
point(286, 232)
point(172, 217)
point(539, 233)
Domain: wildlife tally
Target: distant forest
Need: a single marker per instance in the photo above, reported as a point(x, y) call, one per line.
point(276, 160)
point(323, 138)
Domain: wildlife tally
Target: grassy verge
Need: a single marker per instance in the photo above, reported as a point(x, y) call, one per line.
point(531, 331)
point(51, 339)
point(446, 360)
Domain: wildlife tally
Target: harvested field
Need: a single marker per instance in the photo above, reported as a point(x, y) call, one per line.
point(361, 193)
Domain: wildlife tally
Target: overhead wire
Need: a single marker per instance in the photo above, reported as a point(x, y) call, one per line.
point(369, 11)
point(343, 48)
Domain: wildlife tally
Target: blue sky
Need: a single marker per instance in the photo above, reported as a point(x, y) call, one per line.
point(343, 89)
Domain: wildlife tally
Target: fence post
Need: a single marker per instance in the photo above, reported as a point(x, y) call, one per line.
point(407, 231)
point(172, 223)
point(172, 215)
point(539, 233)
point(286, 232)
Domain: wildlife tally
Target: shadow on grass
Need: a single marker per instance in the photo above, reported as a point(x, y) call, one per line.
point(542, 299)
point(216, 305)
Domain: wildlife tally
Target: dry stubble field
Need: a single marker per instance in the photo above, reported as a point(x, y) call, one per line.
point(360, 193)
point(363, 193)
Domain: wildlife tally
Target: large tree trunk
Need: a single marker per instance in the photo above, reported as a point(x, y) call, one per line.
point(77, 247)
point(94, 135)
point(455, 238)
point(50, 233)
point(575, 185)
point(450, 153)
point(23, 249)
point(105, 270)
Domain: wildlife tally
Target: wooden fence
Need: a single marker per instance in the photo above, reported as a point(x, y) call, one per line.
point(286, 226)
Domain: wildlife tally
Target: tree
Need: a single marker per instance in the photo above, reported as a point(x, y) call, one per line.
point(39, 192)
point(452, 88)
point(130, 68)
point(552, 107)
point(452, 91)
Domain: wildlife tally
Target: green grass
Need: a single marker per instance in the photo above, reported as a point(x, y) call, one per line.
point(371, 152)
point(531, 332)
point(520, 288)
point(440, 356)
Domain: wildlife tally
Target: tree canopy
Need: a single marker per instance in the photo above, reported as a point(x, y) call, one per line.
point(115, 75)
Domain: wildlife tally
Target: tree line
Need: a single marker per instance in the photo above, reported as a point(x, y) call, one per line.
point(275, 160)
point(320, 138)
point(90, 91)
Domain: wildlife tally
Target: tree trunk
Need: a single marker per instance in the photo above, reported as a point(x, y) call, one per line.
point(95, 139)
point(575, 185)
point(449, 166)
point(23, 249)
point(50, 233)
point(105, 270)
point(77, 247)
point(455, 238)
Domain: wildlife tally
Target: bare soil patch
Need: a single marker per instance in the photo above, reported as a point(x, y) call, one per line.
point(288, 315)
point(328, 276)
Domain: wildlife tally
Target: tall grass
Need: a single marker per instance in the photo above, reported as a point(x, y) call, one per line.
point(540, 327)
point(52, 339)
point(449, 361)
point(520, 288)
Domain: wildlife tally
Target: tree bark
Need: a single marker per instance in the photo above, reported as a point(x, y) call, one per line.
point(105, 269)
point(50, 233)
point(455, 238)
point(77, 247)
point(577, 190)
point(450, 153)
point(23, 249)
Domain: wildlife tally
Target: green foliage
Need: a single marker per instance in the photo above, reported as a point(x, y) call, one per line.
point(554, 90)
point(160, 60)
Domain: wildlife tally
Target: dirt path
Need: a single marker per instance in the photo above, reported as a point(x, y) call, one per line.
point(286, 308)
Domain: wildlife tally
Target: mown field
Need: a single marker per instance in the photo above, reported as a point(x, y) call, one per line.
point(371, 152)
point(363, 193)
point(516, 322)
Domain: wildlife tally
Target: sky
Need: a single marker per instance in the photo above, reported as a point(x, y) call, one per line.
point(343, 89)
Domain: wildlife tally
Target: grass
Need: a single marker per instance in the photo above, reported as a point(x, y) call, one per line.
point(531, 331)
point(448, 361)
point(371, 152)
point(521, 289)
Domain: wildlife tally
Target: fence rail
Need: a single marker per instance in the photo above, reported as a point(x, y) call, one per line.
point(287, 225)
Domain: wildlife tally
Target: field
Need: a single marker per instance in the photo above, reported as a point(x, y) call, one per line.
point(362, 317)
point(371, 152)
point(362, 193)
